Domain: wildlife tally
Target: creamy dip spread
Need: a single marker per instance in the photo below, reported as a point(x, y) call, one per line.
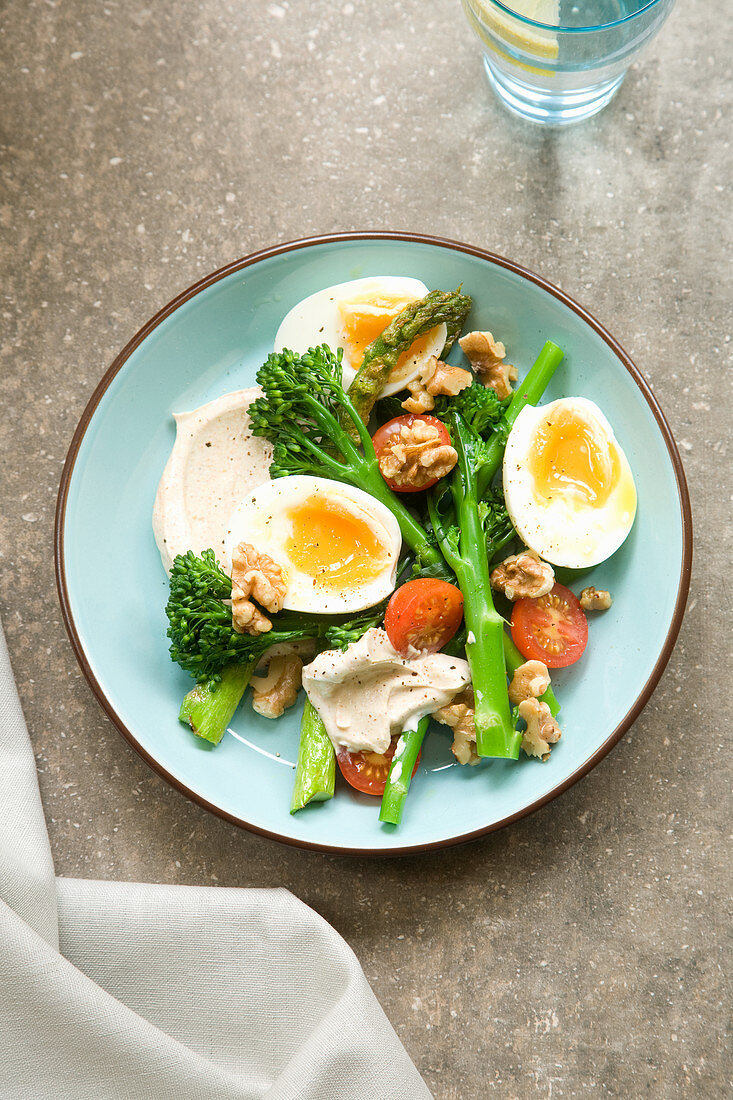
point(215, 462)
point(368, 693)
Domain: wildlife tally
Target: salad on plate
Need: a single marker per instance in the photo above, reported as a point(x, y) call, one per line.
point(389, 520)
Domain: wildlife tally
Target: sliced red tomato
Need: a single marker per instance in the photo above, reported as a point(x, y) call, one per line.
point(424, 614)
point(385, 435)
point(368, 771)
point(551, 628)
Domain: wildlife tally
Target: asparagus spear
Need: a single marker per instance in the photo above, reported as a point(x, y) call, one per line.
point(208, 708)
point(453, 327)
point(380, 358)
point(315, 772)
point(400, 773)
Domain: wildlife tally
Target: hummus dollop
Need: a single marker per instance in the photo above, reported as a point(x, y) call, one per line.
point(368, 693)
point(214, 463)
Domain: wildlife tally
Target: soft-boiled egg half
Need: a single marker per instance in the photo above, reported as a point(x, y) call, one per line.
point(568, 486)
point(351, 315)
point(337, 546)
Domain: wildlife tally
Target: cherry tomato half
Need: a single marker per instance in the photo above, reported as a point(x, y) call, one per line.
point(424, 614)
point(384, 435)
point(551, 628)
point(368, 771)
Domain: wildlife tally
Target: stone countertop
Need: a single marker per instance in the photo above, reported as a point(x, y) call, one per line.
point(578, 952)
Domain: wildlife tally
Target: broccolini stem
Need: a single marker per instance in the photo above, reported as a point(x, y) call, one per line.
point(416, 537)
point(514, 659)
point(380, 358)
point(450, 550)
point(531, 390)
point(334, 431)
point(195, 696)
point(208, 708)
point(315, 772)
point(363, 472)
point(358, 422)
point(495, 733)
point(497, 547)
point(400, 773)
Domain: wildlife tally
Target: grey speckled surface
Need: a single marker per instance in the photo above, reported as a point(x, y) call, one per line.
point(579, 952)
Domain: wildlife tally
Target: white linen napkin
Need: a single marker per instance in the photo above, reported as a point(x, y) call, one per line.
point(133, 991)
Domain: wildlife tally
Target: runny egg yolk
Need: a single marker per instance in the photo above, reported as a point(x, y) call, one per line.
point(567, 456)
point(364, 319)
point(333, 545)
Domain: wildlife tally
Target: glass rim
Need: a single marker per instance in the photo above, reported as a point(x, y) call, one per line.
point(570, 30)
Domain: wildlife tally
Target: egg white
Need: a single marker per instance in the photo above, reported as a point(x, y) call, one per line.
point(566, 530)
point(261, 519)
point(316, 320)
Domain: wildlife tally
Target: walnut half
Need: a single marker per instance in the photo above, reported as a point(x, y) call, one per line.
point(486, 356)
point(459, 716)
point(529, 681)
point(595, 599)
point(542, 729)
point(416, 455)
point(278, 688)
point(523, 575)
point(255, 576)
point(435, 378)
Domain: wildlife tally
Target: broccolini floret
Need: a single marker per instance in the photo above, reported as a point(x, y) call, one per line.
point(498, 527)
point(478, 405)
point(203, 639)
point(301, 413)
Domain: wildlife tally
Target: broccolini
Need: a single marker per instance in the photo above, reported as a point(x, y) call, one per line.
point(203, 639)
point(301, 413)
point(471, 532)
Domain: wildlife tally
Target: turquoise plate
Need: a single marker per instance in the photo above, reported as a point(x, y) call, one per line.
point(210, 340)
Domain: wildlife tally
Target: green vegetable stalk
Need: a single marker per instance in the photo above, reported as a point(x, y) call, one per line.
point(400, 772)
point(529, 393)
point(466, 539)
point(380, 358)
point(315, 772)
point(514, 659)
point(208, 708)
point(464, 548)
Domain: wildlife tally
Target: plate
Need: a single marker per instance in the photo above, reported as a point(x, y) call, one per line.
point(210, 340)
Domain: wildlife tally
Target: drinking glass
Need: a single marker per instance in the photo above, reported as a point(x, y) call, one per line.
point(561, 61)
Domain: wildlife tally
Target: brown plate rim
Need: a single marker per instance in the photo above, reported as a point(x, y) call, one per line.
point(410, 238)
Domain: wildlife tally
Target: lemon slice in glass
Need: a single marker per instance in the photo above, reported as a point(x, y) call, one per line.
point(534, 41)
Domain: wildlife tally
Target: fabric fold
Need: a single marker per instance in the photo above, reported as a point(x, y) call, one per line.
point(26, 866)
point(131, 990)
